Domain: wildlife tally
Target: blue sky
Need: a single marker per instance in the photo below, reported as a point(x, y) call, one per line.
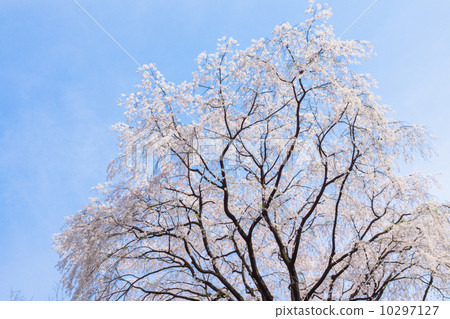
point(61, 77)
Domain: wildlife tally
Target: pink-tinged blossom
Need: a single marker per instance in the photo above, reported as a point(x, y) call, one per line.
point(273, 174)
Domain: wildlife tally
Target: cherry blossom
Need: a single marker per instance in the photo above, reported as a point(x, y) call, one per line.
point(272, 175)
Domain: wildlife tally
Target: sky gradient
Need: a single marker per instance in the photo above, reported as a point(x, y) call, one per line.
point(61, 77)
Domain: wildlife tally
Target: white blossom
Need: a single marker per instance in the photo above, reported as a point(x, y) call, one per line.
point(274, 175)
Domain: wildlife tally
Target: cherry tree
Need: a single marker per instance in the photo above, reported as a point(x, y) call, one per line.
point(272, 175)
